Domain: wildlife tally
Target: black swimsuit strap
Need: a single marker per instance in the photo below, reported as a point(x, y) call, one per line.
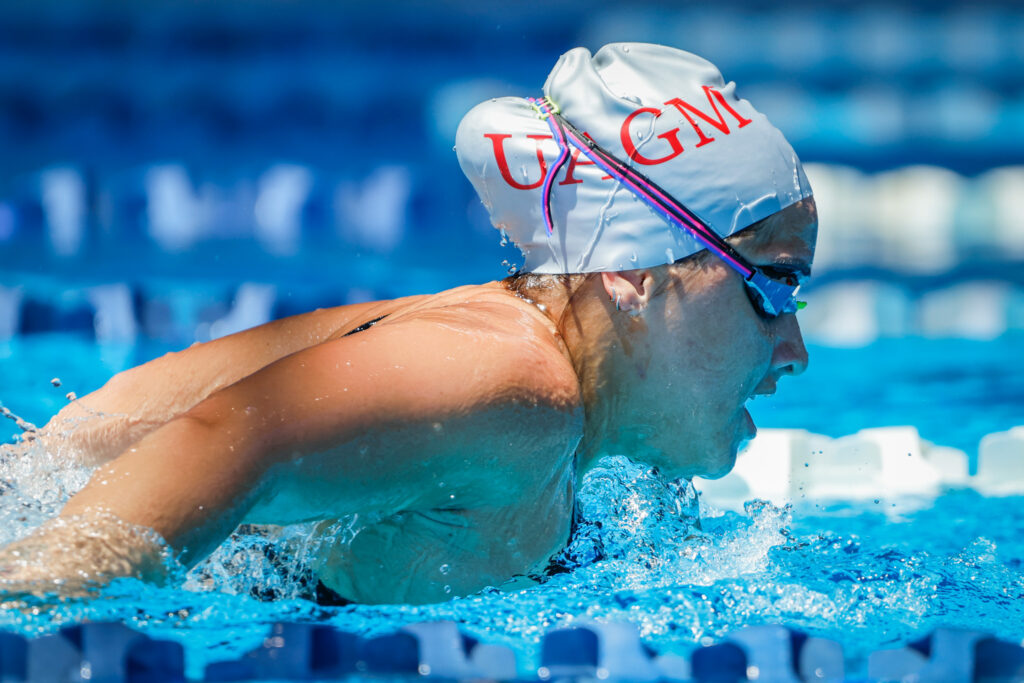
point(365, 326)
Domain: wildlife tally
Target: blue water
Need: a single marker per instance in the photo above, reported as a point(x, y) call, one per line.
point(869, 575)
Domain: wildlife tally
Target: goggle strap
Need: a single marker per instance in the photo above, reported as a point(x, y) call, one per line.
point(641, 186)
point(549, 181)
point(654, 196)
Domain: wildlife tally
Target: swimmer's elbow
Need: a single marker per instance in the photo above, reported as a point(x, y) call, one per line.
point(217, 437)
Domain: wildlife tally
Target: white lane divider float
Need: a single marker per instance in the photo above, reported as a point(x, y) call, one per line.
point(884, 463)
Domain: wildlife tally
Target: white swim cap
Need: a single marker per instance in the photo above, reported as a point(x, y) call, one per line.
point(666, 112)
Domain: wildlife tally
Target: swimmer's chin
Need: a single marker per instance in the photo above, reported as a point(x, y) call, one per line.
point(712, 466)
point(721, 465)
point(723, 468)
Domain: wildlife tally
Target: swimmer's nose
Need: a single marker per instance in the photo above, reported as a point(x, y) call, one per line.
point(789, 357)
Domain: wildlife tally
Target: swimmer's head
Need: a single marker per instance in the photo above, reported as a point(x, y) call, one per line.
point(666, 112)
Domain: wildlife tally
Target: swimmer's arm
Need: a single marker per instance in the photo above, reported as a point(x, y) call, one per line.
point(105, 531)
point(97, 427)
point(193, 479)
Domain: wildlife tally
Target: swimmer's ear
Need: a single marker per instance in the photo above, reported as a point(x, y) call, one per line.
point(629, 290)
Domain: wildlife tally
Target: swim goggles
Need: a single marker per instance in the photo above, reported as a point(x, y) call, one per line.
point(771, 290)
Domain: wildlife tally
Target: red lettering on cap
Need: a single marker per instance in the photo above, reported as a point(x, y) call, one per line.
point(685, 108)
point(498, 142)
point(633, 153)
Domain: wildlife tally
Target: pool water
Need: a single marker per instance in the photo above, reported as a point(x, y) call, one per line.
point(649, 551)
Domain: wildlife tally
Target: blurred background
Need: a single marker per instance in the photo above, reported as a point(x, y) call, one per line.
point(176, 171)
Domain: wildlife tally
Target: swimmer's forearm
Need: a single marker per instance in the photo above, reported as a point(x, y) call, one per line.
point(191, 481)
point(174, 494)
point(74, 556)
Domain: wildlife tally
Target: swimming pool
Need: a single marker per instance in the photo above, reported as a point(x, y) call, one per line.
point(868, 574)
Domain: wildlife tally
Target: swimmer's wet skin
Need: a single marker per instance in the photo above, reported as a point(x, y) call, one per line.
point(456, 425)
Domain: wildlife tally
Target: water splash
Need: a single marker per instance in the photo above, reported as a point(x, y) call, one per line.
point(24, 425)
point(647, 550)
point(34, 482)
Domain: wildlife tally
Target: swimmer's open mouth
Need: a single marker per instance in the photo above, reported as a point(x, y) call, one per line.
point(767, 391)
point(751, 428)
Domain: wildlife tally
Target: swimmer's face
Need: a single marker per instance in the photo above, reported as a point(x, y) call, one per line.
point(710, 352)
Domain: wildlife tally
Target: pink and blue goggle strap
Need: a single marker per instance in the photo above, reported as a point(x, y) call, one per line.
point(774, 297)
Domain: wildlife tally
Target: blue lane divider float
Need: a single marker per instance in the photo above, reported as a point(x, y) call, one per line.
point(293, 652)
point(98, 653)
point(114, 653)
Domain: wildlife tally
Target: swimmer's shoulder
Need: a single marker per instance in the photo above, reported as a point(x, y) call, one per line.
point(472, 387)
point(507, 342)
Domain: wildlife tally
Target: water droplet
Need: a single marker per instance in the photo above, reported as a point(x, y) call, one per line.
point(71, 396)
point(445, 568)
point(876, 501)
point(55, 381)
point(447, 589)
point(633, 257)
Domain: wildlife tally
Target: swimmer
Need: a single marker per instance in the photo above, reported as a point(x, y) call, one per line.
point(665, 226)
